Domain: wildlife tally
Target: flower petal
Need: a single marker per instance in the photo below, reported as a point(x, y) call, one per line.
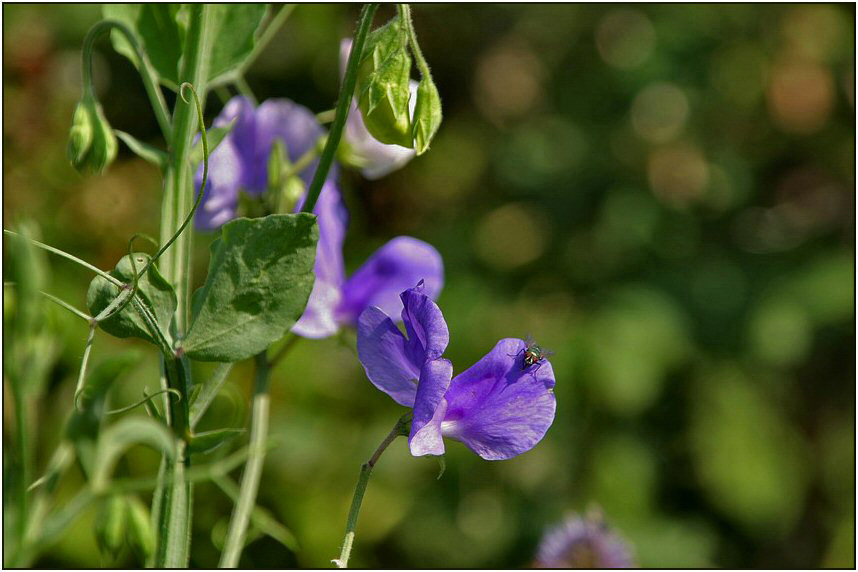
point(429, 408)
point(220, 197)
point(293, 124)
point(382, 351)
point(496, 407)
point(319, 320)
point(427, 330)
point(396, 266)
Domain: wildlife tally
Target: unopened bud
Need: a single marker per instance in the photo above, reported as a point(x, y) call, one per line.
point(92, 144)
point(110, 525)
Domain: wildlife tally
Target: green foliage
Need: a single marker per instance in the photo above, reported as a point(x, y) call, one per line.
point(153, 291)
point(143, 150)
point(427, 115)
point(210, 440)
point(260, 277)
point(231, 31)
point(116, 439)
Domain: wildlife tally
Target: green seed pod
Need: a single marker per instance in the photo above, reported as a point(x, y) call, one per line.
point(382, 85)
point(141, 536)
point(110, 525)
point(92, 144)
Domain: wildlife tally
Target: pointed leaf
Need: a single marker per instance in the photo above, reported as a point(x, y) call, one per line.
point(211, 440)
point(143, 150)
point(233, 31)
point(260, 277)
point(427, 114)
point(115, 440)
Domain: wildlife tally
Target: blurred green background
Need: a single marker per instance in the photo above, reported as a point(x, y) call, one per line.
point(663, 195)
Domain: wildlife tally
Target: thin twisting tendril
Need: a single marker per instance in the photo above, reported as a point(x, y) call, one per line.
point(147, 397)
point(190, 216)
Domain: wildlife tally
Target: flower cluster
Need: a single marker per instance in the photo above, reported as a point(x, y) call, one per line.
point(583, 543)
point(499, 407)
point(240, 163)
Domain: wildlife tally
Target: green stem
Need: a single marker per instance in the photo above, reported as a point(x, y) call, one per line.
point(172, 503)
point(237, 533)
point(147, 72)
point(401, 428)
point(343, 105)
point(179, 190)
point(405, 15)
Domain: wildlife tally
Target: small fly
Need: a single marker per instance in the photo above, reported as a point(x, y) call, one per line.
point(533, 354)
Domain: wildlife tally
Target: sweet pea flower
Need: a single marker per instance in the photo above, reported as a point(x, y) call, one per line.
point(240, 163)
point(499, 407)
point(583, 543)
point(374, 158)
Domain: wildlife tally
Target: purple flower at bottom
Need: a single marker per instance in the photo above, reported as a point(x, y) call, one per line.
point(583, 543)
point(498, 408)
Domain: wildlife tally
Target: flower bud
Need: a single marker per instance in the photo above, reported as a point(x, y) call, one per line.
point(140, 535)
point(110, 525)
point(382, 85)
point(92, 144)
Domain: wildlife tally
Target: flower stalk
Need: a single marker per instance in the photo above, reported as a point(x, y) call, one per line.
point(402, 427)
point(343, 105)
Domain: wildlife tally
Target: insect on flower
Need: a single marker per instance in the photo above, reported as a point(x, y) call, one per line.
point(533, 354)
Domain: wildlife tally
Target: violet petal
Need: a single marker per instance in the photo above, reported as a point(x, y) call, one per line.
point(382, 351)
point(429, 408)
point(396, 266)
point(496, 407)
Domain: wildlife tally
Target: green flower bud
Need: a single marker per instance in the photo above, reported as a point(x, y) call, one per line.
point(140, 534)
point(92, 144)
point(382, 85)
point(427, 114)
point(110, 525)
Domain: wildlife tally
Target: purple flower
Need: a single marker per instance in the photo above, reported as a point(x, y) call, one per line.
point(498, 407)
point(583, 543)
point(374, 158)
point(240, 163)
point(399, 263)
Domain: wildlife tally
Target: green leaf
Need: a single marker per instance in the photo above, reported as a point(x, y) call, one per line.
point(159, 29)
point(143, 150)
point(211, 440)
point(427, 114)
point(260, 277)
point(215, 136)
point(83, 427)
point(232, 31)
point(115, 440)
point(208, 391)
point(153, 291)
